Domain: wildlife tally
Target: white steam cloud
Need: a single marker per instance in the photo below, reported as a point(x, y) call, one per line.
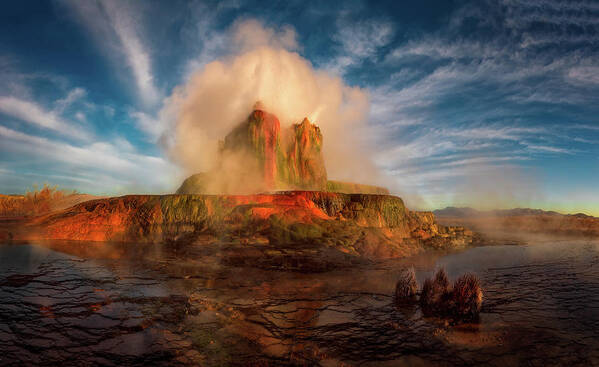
point(264, 68)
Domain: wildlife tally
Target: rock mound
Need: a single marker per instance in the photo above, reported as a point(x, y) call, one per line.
point(373, 226)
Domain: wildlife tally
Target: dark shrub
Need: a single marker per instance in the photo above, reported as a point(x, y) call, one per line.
point(466, 297)
point(406, 288)
point(435, 293)
point(441, 280)
point(462, 301)
point(427, 295)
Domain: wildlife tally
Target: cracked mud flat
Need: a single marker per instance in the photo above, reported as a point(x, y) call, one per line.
point(100, 304)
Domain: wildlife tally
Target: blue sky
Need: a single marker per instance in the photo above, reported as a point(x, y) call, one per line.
point(483, 103)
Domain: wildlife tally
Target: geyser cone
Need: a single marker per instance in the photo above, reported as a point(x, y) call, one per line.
point(259, 156)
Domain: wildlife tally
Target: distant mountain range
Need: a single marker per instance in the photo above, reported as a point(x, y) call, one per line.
point(465, 212)
point(520, 221)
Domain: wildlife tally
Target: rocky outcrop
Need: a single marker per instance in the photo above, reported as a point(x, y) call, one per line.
point(292, 160)
point(257, 142)
point(377, 226)
point(305, 164)
point(260, 156)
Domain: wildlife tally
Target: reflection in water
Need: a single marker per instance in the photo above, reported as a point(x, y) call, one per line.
point(115, 304)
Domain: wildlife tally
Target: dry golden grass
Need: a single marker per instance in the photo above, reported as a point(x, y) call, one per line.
point(35, 202)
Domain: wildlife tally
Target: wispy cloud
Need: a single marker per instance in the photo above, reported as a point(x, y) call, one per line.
point(362, 38)
point(586, 127)
point(17, 83)
point(549, 149)
point(137, 56)
point(117, 26)
point(359, 40)
point(493, 132)
point(584, 74)
point(75, 94)
point(33, 113)
point(481, 97)
point(104, 159)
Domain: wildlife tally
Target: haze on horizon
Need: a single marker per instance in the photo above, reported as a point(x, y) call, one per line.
point(489, 104)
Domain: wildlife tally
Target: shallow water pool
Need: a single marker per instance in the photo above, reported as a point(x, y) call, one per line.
point(107, 304)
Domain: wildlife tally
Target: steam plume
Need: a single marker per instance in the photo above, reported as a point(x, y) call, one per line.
point(222, 94)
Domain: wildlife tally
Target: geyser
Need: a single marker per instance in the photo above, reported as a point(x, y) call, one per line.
point(258, 155)
point(217, 97)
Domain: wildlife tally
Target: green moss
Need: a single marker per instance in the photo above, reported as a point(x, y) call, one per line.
point(254, 136)
point(281, 232)
point(354, 188)
point(188, 214)
point(391, 208)
point(305, 232)
point(184, 208)
point(283, 173)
